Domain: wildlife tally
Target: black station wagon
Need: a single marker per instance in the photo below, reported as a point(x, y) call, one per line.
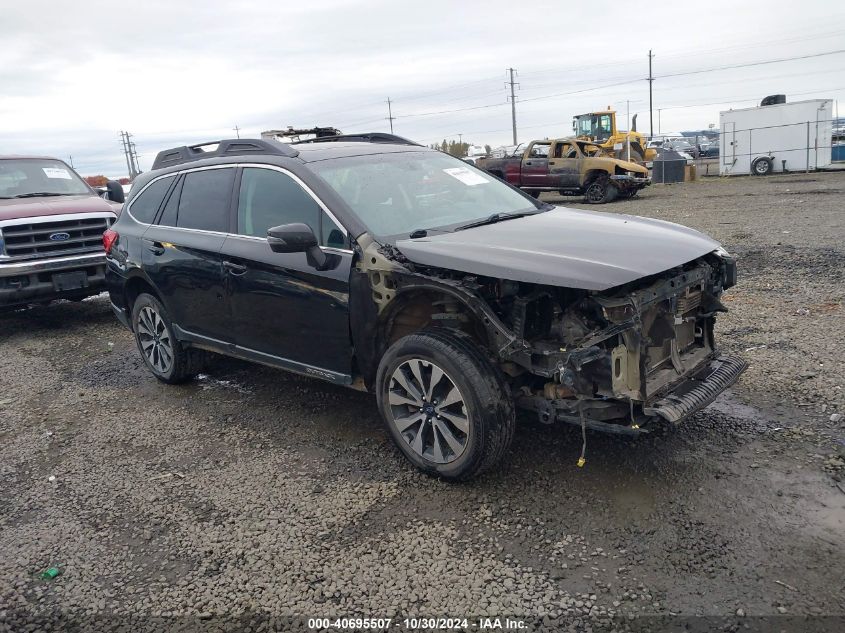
point(396, 269)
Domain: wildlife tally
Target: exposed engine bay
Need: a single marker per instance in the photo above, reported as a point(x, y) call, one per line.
point(611, 360)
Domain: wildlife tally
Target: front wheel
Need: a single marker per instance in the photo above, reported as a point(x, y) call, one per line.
point(163, 353)
point(445, 405)
point(600, 190)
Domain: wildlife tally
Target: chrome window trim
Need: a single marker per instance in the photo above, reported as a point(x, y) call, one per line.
point(255, 238)
point(287, 172)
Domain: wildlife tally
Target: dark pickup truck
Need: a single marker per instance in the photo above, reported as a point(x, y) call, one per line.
point(51, 232)
point(568, 166)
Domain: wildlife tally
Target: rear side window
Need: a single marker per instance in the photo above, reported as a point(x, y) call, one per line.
point(204, 203)
point(145, 206)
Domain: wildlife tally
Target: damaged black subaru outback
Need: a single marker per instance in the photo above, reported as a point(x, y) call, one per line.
point(402, 271)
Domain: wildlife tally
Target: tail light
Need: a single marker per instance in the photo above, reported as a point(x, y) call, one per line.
point(109, 238)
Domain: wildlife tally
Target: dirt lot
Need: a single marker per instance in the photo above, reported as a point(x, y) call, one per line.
point(255, 492)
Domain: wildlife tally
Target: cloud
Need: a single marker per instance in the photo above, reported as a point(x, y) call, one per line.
point(74, 74)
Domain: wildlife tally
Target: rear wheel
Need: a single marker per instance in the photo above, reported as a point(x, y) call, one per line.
point(600, 190)
point(445, 405)
point(164, 355)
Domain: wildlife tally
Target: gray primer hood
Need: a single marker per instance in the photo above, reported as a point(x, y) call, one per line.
point(564, 247)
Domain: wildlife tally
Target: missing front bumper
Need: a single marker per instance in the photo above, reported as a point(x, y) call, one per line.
point(691, 394)
point(698, 390)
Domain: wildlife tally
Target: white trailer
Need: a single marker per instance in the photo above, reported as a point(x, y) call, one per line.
point(764, 139)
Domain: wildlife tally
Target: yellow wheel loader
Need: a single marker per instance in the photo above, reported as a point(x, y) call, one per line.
point(600, 128)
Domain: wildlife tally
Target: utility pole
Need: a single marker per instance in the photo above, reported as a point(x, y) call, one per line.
point(133, 154)
point(390, 116)
point(628, 133)
point(70, 158)
point(130, 153)
point(659, 110)
point(123, 140)
point(133, 157)
point(460, 138)
point(650, 110)
point(513, 102)
point(237, 130)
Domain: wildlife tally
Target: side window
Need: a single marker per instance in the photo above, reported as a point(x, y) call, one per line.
point(204, 203)
point(332, 235)
point(145, 206)
point(270, 198)
point(171, 207)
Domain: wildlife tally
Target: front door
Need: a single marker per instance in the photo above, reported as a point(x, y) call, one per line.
point(284, 311)
point(182, 252)
point(535, 166)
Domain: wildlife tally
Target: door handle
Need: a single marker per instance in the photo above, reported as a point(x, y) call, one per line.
point(234, 269)
point(156, 248)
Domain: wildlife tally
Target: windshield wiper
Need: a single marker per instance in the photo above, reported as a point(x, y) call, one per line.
point(38, 194)
point(496, 217)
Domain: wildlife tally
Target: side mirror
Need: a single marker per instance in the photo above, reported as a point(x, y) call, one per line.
point(114, 192)
point(298, 238)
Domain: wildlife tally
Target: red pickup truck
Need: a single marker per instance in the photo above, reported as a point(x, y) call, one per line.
point(51, 232)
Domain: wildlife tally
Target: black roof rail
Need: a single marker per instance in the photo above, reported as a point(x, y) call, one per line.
point(364, 137)
point(226, 147)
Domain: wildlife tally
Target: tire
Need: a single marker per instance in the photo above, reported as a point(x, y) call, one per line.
point(600, 191)
point(457, 441)
point(761, 166)
point(636, 153)
point(164, 355)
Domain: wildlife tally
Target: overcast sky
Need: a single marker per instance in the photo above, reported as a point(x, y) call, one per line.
point(72, 74)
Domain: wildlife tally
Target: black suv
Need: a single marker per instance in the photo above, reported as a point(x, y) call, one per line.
point(399, 270)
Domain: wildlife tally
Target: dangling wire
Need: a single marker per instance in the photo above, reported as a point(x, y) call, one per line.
point(634, 424)
point(583, 459)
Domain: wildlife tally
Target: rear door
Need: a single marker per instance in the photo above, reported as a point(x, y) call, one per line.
point(182, 252)
point(535, 165)
point(284, 310)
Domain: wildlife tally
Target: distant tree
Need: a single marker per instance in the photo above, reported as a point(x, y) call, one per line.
point(96, 181)
point(444, 146)
point(123, 181)
point(488, 149)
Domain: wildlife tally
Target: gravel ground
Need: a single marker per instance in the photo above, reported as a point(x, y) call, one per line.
point(253, 493)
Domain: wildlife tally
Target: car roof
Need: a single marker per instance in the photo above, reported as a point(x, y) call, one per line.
point(312, 152)
point(20, 156)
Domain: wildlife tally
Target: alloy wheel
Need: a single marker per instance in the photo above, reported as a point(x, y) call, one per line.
point(429, 411)
point(595, 192)
point(155, 340)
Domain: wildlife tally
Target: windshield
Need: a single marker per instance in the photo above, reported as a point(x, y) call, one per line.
point(596, 126)
point(396, 194)
point(20, 177)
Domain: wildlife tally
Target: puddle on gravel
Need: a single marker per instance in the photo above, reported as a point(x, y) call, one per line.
point(728, 404)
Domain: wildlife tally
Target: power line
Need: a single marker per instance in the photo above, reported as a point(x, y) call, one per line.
point(750, 64)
